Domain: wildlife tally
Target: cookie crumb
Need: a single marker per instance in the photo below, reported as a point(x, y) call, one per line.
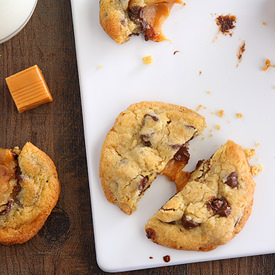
point(220, 113)
point(199, 107)
point(175, 52)
point(267, 65)
point(226, 23)
point(264, 23)
point(147, 59)
point(200, 72)
point(100, 66)
point(255, 169)
point(257, 144)
point(239, 115)
point(218, 127)
point(240, 52)
point(208, 92)
point(249, 153)
point(151, 257)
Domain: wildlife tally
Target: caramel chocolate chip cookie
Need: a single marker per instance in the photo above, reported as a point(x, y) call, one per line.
point(212, 207)
point(144, 139)
point(29, 190)
point(122, 18)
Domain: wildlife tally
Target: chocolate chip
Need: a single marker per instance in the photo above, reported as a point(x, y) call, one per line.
point(155, 118)
point(219, 207)
point(189, 224)
point(145, 139)
point(232, 180)
point(143, 182)
point(166, 258)
point(7, 209)
point(150, 233)
point(182, 154)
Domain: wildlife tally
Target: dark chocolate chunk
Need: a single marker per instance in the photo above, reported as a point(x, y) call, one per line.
point(219, 207)
point(150, 233)
point(7, 209)
point(155, 118)
point(166, 258)
point(145, 139)
point(143, 182)
point(189, 224)
point(182, 154)
point(232, 180)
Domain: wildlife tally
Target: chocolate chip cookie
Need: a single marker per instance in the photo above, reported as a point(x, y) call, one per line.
point(122, 18)
point(144, 139)
point(212, 207)
point(29, 190)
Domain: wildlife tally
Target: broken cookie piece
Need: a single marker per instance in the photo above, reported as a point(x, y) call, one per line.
point(141, 143)
point(211, 208)
point(122, 18)
point(29, 190)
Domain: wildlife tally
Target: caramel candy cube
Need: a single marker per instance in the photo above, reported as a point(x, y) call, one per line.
point(28, 89)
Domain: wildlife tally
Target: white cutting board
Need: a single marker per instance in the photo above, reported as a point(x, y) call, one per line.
point(114, 76)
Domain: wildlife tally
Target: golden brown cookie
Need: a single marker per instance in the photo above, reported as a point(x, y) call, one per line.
point(29, 190)
point(142, 141)
point(122, 18)
point(212, 207)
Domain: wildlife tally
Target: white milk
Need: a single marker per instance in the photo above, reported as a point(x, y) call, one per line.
point(14, 15)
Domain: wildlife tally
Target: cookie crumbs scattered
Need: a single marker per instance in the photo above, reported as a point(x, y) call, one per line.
point(208, 92)
point(151, 257)
point(239, 115)
point(255, 169)
point(147, 59)
point(228, 121)
point(264, 23)
point(218, 127)
point(199, 107)
point(220, 113)
point(200, 72)
point(267, 65)
point(100, 66)
point(249, 153)
point(175, 52)
point(257, 144)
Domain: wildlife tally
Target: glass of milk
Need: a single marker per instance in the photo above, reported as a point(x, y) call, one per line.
point(14, 15)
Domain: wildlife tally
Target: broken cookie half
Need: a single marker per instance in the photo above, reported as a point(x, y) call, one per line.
point(144, 139)
point(122, 18)
point(212, 207)
point(29, 190)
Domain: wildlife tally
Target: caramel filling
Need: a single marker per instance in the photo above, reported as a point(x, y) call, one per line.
point(8, 166)
point(155, 15)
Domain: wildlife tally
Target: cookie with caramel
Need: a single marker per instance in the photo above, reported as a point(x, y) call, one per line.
point(144, 139)
point(122, 18)
point(29, 190)
point(211, 208)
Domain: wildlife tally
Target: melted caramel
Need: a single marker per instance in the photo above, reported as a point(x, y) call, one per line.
point(155, 15)
point(7, 172)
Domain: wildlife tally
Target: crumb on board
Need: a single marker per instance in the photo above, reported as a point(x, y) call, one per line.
point(200, 107)
point(257, 144)
point(175, 52)
point(218, 127)
point(147, 59)
point(239, 115)
point(220, 113)
point(264, 23)
point(208, 92)
point(200, 72)
point(249, 153)
point(255, 169)
point(100, 66)
point(267, 65)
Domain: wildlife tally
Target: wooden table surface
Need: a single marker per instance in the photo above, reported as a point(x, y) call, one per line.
point(65, 245)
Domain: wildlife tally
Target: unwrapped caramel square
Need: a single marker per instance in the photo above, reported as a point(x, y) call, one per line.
point(28, 89)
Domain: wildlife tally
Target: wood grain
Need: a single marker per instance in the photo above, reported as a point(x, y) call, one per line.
point(65, 245)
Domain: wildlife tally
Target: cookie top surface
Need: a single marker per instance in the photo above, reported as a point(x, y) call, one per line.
point(28, 194)
point(142, 141)
point(211, 208)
